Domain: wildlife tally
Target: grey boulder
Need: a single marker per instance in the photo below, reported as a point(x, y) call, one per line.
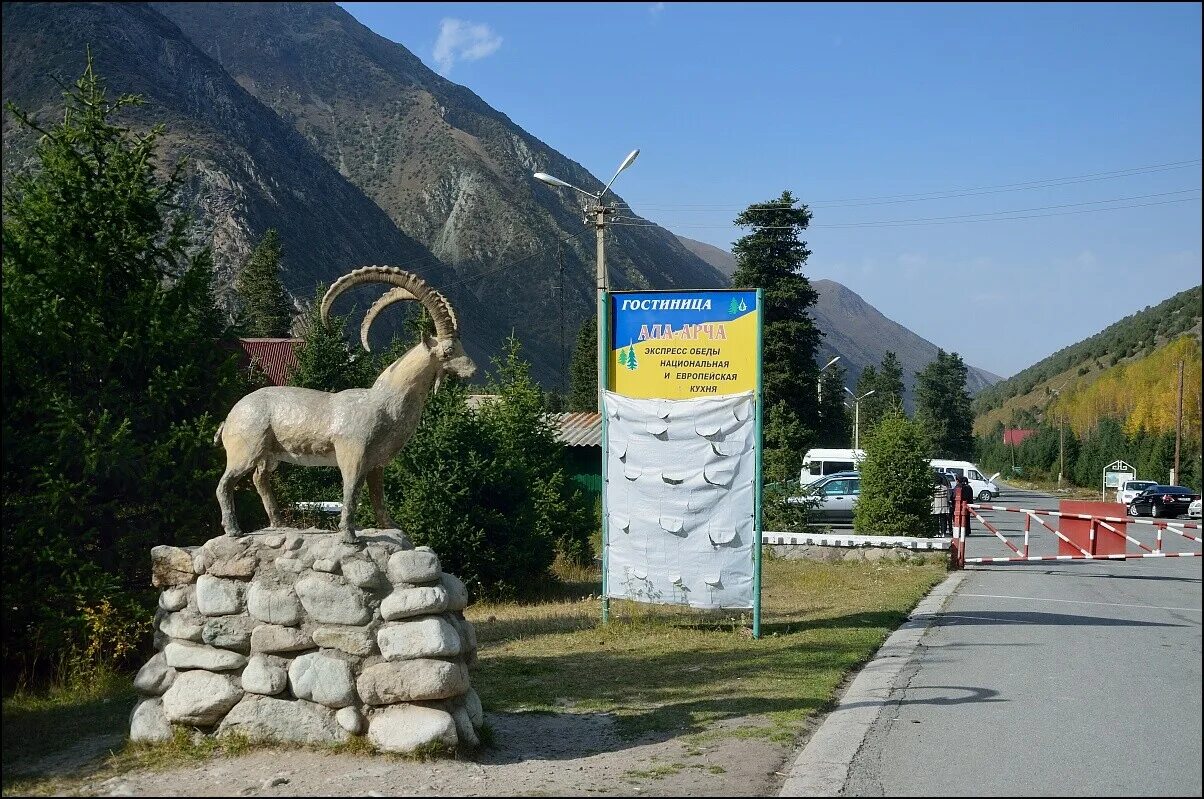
point(200, 698)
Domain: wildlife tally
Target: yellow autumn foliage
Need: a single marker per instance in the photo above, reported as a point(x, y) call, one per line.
point(1142, 393)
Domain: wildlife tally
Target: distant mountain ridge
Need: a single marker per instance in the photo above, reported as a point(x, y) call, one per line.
point(856, 330)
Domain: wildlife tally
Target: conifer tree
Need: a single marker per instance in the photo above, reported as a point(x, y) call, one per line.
point(772, 257)
point(943, 407)
point(583, 371)
point(835, 424)
point(267, 311)
point(113, 377)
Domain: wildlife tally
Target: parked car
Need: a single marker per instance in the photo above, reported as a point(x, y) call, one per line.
point(1129, 489)
point(1193, 510)
point(1162, 501)
point(837, 494)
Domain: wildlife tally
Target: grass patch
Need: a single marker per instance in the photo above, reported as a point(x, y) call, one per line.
point(664, 670)
point(661, 671)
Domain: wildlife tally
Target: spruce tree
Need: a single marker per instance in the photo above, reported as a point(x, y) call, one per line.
point(772, 257)
point(114, 379)
point(267, 311)
point(896, 481)
point(583, 371)
point(886, 381)
point(943, 407)
point(835, 423)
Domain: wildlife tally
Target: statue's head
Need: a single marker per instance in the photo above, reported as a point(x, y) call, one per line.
point(445, 345)
point(452, 358)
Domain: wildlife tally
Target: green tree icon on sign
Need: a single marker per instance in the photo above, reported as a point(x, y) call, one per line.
point(631, 362)
point(733, 307)
point(623, 358)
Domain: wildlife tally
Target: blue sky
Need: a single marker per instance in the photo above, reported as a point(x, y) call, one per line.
point(730, 104)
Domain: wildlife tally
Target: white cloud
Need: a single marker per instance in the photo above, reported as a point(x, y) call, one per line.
point(656, 8)
point(460, 40)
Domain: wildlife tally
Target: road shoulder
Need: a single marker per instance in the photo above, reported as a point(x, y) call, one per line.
point(822, 766)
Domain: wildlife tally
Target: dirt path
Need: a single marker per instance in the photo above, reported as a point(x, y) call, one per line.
point(537, 754)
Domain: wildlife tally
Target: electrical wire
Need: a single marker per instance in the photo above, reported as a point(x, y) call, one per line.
point(986, 216)
point(944, 194)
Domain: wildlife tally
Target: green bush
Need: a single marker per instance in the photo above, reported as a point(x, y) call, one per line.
point(896, 481)
point(486, 488)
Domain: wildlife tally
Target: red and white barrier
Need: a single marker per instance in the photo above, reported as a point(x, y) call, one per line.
point(1106, 522)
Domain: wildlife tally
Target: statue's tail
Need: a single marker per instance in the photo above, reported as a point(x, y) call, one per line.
point(217, 437)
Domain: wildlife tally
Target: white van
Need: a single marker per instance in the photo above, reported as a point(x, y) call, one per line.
point(819, 463)
point(984, 487)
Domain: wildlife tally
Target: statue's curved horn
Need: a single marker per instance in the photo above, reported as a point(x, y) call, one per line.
point(388, 298)
point(436, 304)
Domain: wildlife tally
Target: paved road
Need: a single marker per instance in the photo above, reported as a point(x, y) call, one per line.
point(1049, 678)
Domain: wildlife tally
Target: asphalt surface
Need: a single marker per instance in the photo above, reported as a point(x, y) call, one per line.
point(1028, 679)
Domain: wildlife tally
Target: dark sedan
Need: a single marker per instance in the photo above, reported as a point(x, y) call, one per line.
point(1162, 502)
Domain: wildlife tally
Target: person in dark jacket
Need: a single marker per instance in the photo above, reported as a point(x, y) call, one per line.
point(965, 493)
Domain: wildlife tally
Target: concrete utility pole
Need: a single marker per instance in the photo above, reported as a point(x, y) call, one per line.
point(600, 211)
point(1178, 424)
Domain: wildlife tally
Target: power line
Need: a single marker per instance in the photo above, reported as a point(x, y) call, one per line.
point(946, 194)
point(996, 216)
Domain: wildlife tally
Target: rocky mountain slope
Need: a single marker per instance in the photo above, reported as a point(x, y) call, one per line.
point(449, 170)
point(248, 169)
point(721, 259)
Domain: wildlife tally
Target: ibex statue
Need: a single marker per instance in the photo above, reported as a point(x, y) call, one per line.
point(360, 429)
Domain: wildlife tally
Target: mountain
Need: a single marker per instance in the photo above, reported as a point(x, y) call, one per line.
point(248, 169)
point(721, 259)
point(1022, 398)
point(448, 169)
point(861, 335)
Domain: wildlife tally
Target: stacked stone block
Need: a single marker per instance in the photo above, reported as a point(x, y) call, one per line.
point(289, 635)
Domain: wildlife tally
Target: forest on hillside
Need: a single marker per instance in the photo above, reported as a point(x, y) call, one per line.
point(1130, 413)
point(1135, 335)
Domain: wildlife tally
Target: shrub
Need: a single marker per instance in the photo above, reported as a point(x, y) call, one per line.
point(896, 481)
point(486, 489)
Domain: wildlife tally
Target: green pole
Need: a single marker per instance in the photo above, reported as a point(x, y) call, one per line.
point(758, 406)
point(604, 372)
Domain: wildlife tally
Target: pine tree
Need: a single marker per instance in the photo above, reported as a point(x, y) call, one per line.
point(267, 311)
point(632, 363)
point(733, 307)
point(623, 358)
point(835, 425)
point(772, 257)
point(113, 377)
point(583, 371)
point(943, 407)
point(886, 381)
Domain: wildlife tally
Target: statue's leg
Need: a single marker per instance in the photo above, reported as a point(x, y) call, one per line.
point(351, 465)
point(376, 492)
point(263, 484)
point(235, 471)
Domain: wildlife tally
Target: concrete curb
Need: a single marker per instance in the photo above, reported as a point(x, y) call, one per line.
point(822, 767)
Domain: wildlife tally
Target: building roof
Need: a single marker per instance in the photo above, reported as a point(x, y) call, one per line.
point(1017, 435)
point(277, 357)
point(582, 429)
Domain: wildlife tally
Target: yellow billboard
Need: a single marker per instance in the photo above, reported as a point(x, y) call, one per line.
point(683, 344)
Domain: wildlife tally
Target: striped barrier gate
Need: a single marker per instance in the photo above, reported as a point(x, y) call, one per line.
point(1112, 524)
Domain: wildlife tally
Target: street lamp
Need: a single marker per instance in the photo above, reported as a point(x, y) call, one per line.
point(600, 211)
point(819, 383)
point(857, 415)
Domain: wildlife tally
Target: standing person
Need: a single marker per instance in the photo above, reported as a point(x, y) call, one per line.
point(965, 493)
point(940, 504)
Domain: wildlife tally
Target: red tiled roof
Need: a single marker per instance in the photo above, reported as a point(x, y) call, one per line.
point(1015, 437)
point(277, 357)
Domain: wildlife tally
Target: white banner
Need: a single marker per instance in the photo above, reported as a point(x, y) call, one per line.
point(681, 478)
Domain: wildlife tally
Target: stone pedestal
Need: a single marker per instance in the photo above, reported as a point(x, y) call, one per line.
point(289, 635)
